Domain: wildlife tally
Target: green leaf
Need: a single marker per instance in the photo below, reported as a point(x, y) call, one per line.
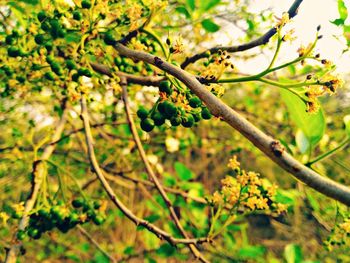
point(31, 2)
point(343, 11)
point(347, 124)
point(251, 251)
point(293, 254)
point(209, 4)
point(191, 4)
point(210, 26)
point(183, 172)
point(313, 125)
point(184, 11)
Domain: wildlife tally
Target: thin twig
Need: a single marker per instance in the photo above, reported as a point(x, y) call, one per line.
point(293, 10)
point(151, 173)
point(125, 210)
point(95, 243)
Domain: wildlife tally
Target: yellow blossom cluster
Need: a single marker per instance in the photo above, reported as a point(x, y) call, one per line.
point(216, 66)
point(340, 235)
point(283, 20)
point(328, 84)
point(246, 191)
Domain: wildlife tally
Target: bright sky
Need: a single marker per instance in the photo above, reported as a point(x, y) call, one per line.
point(311, 14)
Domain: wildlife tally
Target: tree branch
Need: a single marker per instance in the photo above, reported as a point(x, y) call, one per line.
point(293, 10)
point(151, 173)
point(146, 81)
point(271, 147)
point(128, 213)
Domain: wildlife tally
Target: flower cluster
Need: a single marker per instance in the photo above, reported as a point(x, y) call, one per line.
point(216, 65)
point(246, 191)
point(328, 84)
point(340, 235)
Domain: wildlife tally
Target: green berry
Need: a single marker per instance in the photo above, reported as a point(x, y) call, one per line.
point(34, 233)
point(188, 121)
point(165, 86)
point(41, 16)
point(109, 39)
point(55, 67)
point(176, 121)
point(71, 64)
point(84, 72)
point(97, 204)
point(85, 4)
point(21, 234)
point(45, 26)
point(170, 109)
point(78, 202)
point(158, 119)
point(49, 46)
point(206, 115)
point(147, 125)
point(13, 51)
point(142, 113)
point(49, 76)
point(197, 117)
point(10, 40)
point(98, 219)
point(77, 15)
point(118, 61)
point(39, 39)
point(195, 102)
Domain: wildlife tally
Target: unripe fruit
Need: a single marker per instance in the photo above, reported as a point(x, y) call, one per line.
point(170, 109)
point(49, 76)
point(109, 39)
point(85, 4)
point(13, 51)
point(147, 125)
point(158, 119)
point(142, 113)
point(187, 121)
point(176, 121)
point(195, 102)
point(165, 86)
point(21, 235)
point(77, 15)
point(206, 115)
point(78, 202)
point(41, 16)
point(39, 39)
point(71, 64)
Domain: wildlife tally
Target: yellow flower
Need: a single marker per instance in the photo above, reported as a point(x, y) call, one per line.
point(283, 20)
point(251, 202)
point(345, 226)
point(253, 190)
point(280, 208)
point(302, 51)
point(217, 198)
point(271, 190)
point(233, 163)
point(254, 178)
point(228, 181)
point(4, 217)
point(312, 106)
point(289, 36)
point(178, 47)
point(261, 203)
point(19, 208)
point(243, 179)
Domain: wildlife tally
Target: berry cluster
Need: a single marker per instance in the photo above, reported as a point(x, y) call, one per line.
point(186, 112)
point(63, 218)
